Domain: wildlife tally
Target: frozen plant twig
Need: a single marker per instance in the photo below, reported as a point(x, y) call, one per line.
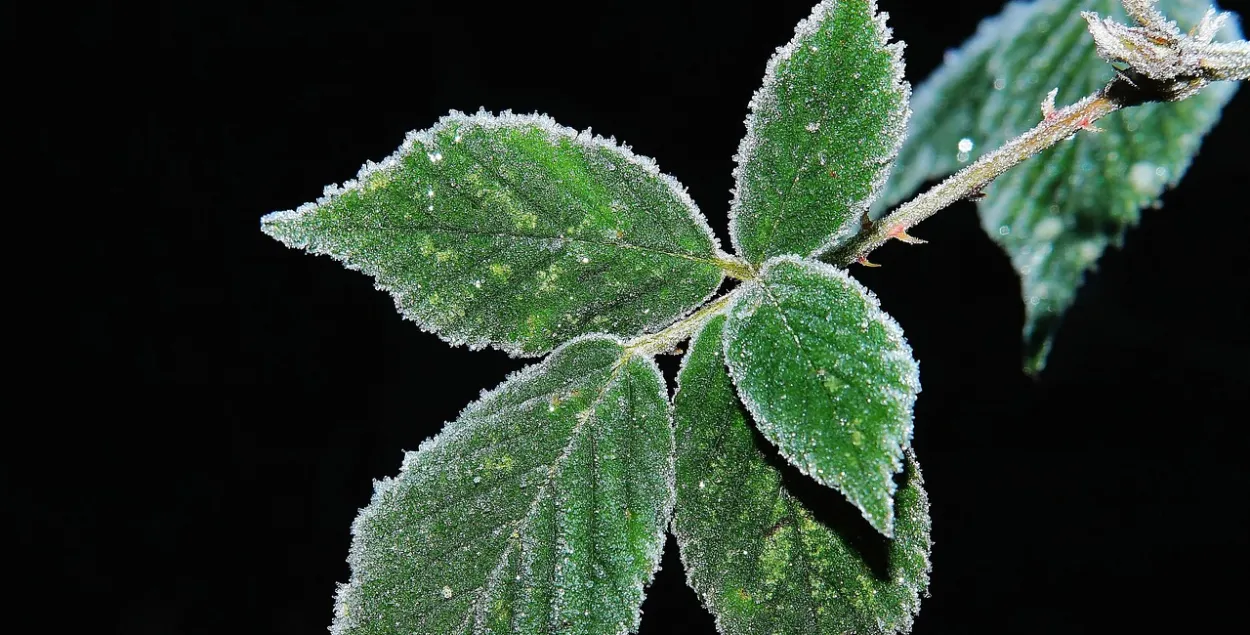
point(1156, 62)
point(1182, 64)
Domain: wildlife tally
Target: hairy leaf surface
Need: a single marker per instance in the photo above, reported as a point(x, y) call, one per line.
point(541, 509)
point(761, 560)
point(515, 232)
point(1056, 213)
point(822, 133)
point(828, 377)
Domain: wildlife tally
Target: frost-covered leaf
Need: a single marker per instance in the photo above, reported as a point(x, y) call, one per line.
point(541, 509)
point(822, 133)
point(828, 378)
point(761, 560)
point(1056, 213)
point(515, 232)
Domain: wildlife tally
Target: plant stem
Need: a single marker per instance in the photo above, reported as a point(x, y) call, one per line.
point(669, 338)
point(1056, 126)
point(735, 267)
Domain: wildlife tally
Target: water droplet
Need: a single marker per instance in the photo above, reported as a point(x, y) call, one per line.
point(702, 485)
point(965, 150)
point(435, 157)
point(1048, 228)
point(1144, 176)
point(477, 479)
point(1089, 251)
point(1004, 230)
point(585, 260)
point(813, 126)
point(447, 593)
point(999, 83)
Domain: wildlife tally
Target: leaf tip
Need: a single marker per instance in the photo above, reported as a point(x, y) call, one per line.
point(278, 225)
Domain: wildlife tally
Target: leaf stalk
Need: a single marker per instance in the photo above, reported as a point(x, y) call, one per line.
point(667, 340)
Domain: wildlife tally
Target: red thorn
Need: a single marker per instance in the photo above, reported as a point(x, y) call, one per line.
point(900, 233)
point(1048, 106)
point(1086, 124)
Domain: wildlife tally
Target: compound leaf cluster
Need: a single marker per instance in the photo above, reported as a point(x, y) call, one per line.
point(542, 508)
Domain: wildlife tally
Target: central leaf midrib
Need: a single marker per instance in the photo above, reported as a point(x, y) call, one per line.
point(803, 557)
point(803, 354)
point(541, 206)
point(542, 492)
point(436, 227)
point(802, 168)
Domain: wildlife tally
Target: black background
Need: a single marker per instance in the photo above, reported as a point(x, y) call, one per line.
point(218, 404)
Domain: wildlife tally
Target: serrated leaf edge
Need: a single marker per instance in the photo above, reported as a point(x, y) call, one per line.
point(505, 119)
point(907, 621)
point(895, 334)
point(687, 566)
point(451, 430)
point(750, 141)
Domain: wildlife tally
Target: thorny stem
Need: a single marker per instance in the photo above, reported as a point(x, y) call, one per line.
point(1161, 64)
point(1056, 126)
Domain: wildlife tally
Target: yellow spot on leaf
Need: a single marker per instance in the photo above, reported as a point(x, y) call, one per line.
point(500, 270)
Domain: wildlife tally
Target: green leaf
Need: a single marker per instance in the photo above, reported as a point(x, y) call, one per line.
point(541, 509)
point(1055, 214)
point(828, 377)
point(515, 232)
point(761, 560)
point(821, 134)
